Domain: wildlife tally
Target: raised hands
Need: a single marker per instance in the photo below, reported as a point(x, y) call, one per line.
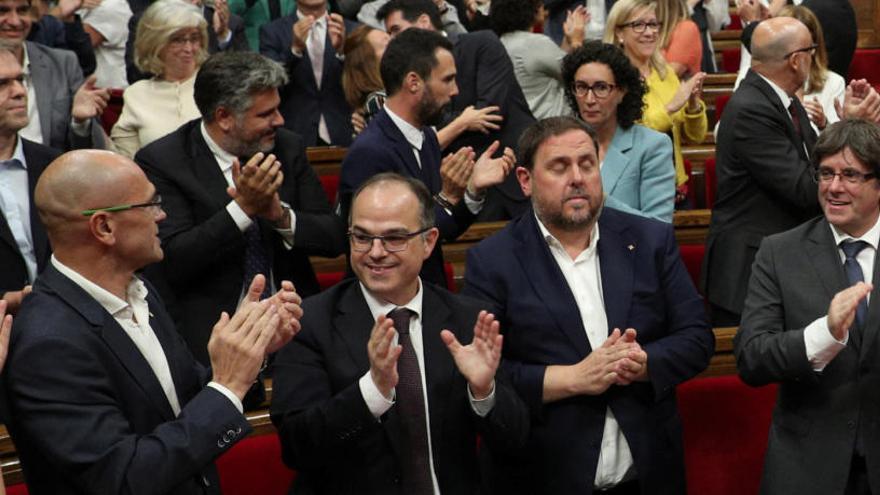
point(860, 101)
point(483, 120)
point(815, 112)
point(383, 354)
point(574, 27)
point(490, 171)
point(89, 101)
point(220, 22)
point(287, 304)
point(842, 310)
point(455, 171)
point(478, 360)
point(336, 31)
point(300, 32)
point(255, 187)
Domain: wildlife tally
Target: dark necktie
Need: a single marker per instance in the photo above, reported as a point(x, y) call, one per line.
point(795, 118)
point(256, 258)
point(854, 274)
point(414, 462)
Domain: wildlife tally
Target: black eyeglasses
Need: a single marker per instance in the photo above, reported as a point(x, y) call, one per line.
point(640, 26)
point(809, 49)
point(826, 174)
point(600, 89)
point(392, 243)
point(154, 206)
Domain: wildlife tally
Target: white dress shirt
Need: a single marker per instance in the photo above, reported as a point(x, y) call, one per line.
point(133, 315)
point(821, 346)
point(378, 403)
point(15, 205)
point(583, 275)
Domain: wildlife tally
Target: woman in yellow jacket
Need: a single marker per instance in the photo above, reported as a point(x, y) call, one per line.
point(671, 106)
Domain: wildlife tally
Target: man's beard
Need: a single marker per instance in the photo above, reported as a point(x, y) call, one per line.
point(573, 222)
point(429, 113)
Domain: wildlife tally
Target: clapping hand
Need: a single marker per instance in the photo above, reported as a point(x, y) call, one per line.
point(477, 361)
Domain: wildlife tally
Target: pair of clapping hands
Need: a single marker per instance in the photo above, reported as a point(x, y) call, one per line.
point(255, 188)
point(461, 172)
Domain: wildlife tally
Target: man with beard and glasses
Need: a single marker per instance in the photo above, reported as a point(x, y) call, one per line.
point(601, 322)
point(418, 73)
point(240, 196)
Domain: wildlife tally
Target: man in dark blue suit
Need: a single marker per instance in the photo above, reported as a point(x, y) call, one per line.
point(309, 43)
point(104, 395)
point(601, 321)
point(420, 77)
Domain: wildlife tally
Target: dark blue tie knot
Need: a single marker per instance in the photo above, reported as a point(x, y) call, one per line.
point(852, 249)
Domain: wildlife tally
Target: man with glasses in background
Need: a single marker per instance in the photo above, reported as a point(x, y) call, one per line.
point(810, 324)
point(378, 394)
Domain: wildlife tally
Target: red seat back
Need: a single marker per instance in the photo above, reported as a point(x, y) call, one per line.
point(692, 255)
point(330, 183)
point(866, 65)
point(111, 113)
point(254, 465)
point(711, 179)
point(725, 426)
point(17, 489)
point(720, 103)
point(730, 59)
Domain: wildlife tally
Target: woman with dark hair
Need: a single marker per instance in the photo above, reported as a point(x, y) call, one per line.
point(536, 57)
point(606, 91)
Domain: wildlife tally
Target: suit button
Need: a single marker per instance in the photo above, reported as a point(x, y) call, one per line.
point(851, 424)
point(205, 481)
point(232, 434)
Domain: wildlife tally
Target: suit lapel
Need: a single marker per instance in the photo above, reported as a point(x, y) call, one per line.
point(439, 365)
point(616, 253)
point(114, 336)
point(825, 259)
point(616, 159)
point(38, 233)
point(205, 169)
point(548, 282)
point(872, 321)
point(41, 80)
point(401, 146)
point(756, 80)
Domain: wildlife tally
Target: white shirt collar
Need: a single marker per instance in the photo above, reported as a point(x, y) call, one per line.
point(783, 96)
point(872, 236)
point(25, 61)
point(136, 290)
point(224, 158)
point(18, 153)
point(413, 135)
point(553, 241)
point(380, 307)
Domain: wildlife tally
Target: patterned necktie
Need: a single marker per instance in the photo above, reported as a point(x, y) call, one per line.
point(854, 274)
point(256, 258)
point(415, 471)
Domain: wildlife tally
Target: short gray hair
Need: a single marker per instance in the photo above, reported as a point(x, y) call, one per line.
point(230, 79)
point(160, 22)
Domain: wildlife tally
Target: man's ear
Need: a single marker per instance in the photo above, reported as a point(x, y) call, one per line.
point(101, 227)
point(424, 22)
point(412, 83)
point(525, 180)
point(224, 118)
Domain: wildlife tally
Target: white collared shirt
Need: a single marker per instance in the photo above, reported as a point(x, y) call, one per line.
point(584, 279)
point(133, 315)
point(821, 346)
point(379, 404)
point(15, 205)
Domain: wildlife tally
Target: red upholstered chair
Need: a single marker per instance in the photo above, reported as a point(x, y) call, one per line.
point(450, 276)
point(711, 179)
point(730, 59)
point(692, 255)
point(254, 465)
point(735, 22)
point(866, 65)
point(725, 425)
point(17, 489)
point(720, 103)
point(111, 113)
point(330, 183)
point(329, 279)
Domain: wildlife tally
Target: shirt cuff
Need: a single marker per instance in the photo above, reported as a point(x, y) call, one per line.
point(376, 402)
point(482, 406)
point(222, 44)
point(229, 395)
point(239, 216)
point(296, 53)
point(821, 346)
point(474, 205)
point(81, 129)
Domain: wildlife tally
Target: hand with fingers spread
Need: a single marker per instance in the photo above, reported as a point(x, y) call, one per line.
point(300, 31)
point(256, 187)
point(5, 332)
point(383, 354)
point(477, 361)
point(842, 310)
point(490, 171)
point(238, 345)
point(455, 171)
point(574, 27)
point(288, 305)
point(860, 101)
point(484, 120)
point(89, 101)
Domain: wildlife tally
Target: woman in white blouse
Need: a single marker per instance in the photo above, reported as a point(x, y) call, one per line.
point(170, 43)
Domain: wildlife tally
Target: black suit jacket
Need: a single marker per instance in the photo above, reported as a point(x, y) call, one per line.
point(485, 77)
point(383, 148)
point(327, 431)
point(765, 186)
point(819, 416)
point(645, 286)
point(204, 248)
point(302, 101)
point(89, 415)
point(14, 274)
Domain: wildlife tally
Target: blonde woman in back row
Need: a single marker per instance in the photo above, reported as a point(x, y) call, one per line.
point(171, 44)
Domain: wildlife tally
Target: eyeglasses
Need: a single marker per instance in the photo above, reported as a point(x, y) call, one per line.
point(600, 89)
point(826, 174)
point(640, 26)
point(154, 206)
point(193, 39)
point(809, 49)
point(392, 243)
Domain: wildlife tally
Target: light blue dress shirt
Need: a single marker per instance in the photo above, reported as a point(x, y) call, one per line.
point(15, 205)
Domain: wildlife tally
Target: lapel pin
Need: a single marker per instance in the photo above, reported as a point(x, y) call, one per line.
point(631, 247)
point(151, 314)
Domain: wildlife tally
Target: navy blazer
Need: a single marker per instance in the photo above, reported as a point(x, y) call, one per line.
point(204, 248)
point(645, 286)
point(14, 275)
point(302, 102)
point(383, 148)
point(328, 433)
point(88, 413)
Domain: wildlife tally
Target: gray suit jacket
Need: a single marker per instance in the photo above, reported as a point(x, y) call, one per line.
point(819, 415)
point(56, 77)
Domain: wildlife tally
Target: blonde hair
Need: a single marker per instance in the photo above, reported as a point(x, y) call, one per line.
point(669, 14)
point(160, 22)
point(620, 13)
point(819, 69)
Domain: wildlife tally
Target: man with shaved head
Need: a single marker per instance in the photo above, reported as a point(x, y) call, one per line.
point(765, 180)
point(103, 393)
